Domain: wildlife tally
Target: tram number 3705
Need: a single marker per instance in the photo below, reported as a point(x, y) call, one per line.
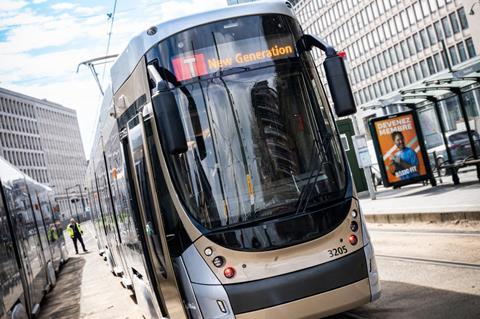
point(337, 251)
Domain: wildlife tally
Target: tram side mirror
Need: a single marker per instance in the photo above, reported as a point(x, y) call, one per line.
point(339, 86)
point(169, 121)
point(336, 74)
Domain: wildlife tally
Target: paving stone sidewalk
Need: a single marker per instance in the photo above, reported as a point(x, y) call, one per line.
point(86, 289)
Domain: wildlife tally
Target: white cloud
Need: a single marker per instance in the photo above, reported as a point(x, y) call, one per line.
point(63, 6)
point(39, 1)
point(41, 52)
point(43, 32)
point(10, 5)
point(26, 17)
point(90, 10)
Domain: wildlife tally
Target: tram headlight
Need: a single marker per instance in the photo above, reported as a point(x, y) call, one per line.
point(354, 226)
point(218, 261)
point(354, 213)
point(208, 251)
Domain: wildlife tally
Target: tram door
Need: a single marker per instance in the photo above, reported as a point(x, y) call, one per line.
point(141, 145)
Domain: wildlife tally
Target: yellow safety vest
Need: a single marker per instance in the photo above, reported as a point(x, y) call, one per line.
point(70, 230)
point(52, 234)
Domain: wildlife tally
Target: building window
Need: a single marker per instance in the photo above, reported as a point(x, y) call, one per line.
point(404, 17)
point(445, 59)
point(411, 74)
point(423, 35)
point(371, 68)
point(418, 42)
point(438, 30)
point(405, 52)
point(425, 8)
point(418, 11)
point(454, 21)
point(398, 77)
point(388, 62)
point(470, 48)
point(431, 35)
point(393, 55)
point(461, 51)
point(411, 46)
point(431, 66)
point(398, 23)
point(399, 52)
point(446, 27)
point(424, 67)
point(463, 18)
point(438, 61)
point(411, 15)
point(453, 55)
point(405, 78)
point(393, 82)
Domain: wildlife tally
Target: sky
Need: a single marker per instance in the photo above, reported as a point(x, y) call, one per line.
point(43, 41)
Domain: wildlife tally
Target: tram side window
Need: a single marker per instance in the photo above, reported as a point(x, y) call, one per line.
point(172, 223)
point(151, 223)
point(9, 277)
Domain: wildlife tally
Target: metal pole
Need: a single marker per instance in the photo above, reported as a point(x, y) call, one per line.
point(453, 171)
point(458, 92)
point(81, 196)
point(76, 210)
point(69, 204)
point(368, 176)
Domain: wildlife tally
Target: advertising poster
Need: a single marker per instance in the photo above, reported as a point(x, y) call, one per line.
point(398, 147)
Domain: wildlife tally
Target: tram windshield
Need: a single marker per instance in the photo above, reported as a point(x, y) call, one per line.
point(260, 138)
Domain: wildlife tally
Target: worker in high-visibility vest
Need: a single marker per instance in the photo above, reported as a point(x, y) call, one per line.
point(52, 233)
point(75, 232)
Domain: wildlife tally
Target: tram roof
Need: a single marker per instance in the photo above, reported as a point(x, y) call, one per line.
point(140, 44)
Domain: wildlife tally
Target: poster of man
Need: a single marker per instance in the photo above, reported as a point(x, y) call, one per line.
point(405, 160)
point(399, 149)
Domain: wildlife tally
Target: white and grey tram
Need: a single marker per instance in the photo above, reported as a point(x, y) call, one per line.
point(32, 246)
point(217, 180)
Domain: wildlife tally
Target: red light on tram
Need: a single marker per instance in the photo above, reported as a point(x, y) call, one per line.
point(353, 239)
point(229, 272)
point(342, 54)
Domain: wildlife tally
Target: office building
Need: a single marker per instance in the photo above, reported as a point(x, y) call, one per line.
point(391, 44)
point(43, 140)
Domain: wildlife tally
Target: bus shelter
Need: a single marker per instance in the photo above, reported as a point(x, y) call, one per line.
point(449, 111)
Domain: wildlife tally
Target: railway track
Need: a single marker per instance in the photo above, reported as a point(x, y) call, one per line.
point(446, 232)
point(440, 262)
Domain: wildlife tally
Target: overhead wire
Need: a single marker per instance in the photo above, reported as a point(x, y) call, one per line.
point(110, 31)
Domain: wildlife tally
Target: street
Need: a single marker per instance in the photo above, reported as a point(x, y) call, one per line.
point(426, 272)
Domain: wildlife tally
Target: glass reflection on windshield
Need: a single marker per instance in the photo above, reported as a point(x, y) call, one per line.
point(259, 135)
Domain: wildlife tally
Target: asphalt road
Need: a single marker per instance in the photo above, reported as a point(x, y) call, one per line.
point(425, 274)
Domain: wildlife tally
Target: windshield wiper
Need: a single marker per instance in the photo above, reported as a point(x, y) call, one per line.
point(309, 186)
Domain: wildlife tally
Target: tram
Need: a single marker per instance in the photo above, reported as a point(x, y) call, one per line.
point(218, 183)
point(32, 246)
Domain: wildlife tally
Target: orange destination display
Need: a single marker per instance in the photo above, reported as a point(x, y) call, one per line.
point(399, 149)
point(230, 55)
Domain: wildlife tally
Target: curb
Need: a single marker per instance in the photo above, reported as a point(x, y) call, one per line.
point(401, 218)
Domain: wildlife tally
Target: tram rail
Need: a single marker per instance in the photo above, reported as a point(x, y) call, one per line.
point(433, 232)
point(439, 262)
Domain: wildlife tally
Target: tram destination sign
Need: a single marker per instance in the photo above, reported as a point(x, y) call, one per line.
point(399, 148)
point(233, 54)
